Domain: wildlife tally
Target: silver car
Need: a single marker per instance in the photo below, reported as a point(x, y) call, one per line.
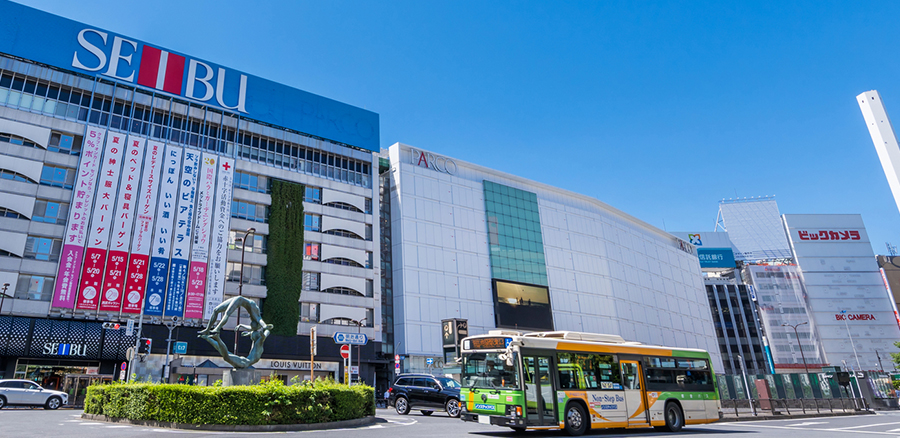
point(26, 392)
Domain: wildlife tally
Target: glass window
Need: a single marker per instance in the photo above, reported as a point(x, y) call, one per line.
point(312, 222)
point(313, 195)
point(312, 251)
point(488, 370)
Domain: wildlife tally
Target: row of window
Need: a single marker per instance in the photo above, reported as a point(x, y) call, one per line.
point(124, 108)
point(313, 222)
point(250, 211)
point(313, 249)
point(253, 274)
point(309, 312)
point(310, 281)
point(34, 287)
point(604, 372)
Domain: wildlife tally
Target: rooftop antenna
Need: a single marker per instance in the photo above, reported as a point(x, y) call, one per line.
point(892, 250)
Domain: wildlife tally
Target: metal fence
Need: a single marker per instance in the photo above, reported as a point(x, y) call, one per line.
point(791, 394)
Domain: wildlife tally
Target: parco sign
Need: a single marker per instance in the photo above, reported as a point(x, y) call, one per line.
point(433, 162)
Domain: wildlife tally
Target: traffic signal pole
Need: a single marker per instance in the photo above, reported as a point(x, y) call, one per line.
point(137, 342)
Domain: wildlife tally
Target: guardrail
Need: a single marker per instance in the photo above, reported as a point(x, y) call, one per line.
point(780, 406)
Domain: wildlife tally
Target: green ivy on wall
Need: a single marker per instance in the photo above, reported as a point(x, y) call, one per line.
point(284, 268)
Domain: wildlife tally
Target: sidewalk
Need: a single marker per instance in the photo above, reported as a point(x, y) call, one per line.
point(747, 415)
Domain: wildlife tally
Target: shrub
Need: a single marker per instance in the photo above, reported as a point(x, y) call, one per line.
point(268, 403)
point(896, 384)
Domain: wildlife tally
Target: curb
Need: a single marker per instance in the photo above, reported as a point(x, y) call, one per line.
point(793, 417)
point(357, 422)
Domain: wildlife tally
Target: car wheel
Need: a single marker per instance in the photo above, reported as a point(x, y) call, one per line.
point(674, 417)
point(518, 430)
point(426, 413)
point(452, 407)
point(2, 402)
point(53, 403)
point(576, 420)
point(402, 405)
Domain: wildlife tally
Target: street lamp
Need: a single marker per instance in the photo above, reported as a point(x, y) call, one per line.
point(794, 326)
point(359, 348)
point(241, 285)
point(175, 322)
point(3, 295)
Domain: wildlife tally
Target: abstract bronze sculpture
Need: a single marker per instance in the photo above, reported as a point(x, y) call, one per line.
point(258, 331)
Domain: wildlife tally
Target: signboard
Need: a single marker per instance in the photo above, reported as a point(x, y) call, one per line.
point(429, 361)
point(313, 341)
point(350, 338)
point(181, 234)
point(90, 286)
point(161, 244)
point(354, 370)
point(139, 258)
point(221, 218)
point(95, 52)
point(716, 257)
point(129, 328)
point(489, 343)
point(206, 192)
point(120, 240)
point(72, 256)
point(345, 351)
point(181, 347)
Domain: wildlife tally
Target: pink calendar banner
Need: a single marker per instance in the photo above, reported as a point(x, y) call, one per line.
point(193, 306)
point(139, 259)
point(72, 255)
point(126, 205)
point(101, 222)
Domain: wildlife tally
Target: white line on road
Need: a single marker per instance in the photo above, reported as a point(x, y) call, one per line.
point(808, 423)
point(866, 425)
point(813, 429)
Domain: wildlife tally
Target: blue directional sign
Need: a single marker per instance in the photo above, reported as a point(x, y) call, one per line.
point(350, 338)
point(181, 348)
point(429, 361)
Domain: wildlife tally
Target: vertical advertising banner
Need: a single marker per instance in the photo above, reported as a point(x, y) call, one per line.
point(139, 259)
point(221, 219)
point(101, 221)
point(163, 230)
point(184, 227)
point(76, 227)
point(206, 188)
point(126, 205)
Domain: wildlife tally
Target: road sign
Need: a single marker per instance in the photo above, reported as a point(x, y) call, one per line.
point(345, 351)
point(354, 370)
point(181, 347)
point(129, 328)
point(313, 341)
point(129, 353)
point(124, 366)
point(350, 338)
point(122, 375)
point(429, 361)
point(397, 370)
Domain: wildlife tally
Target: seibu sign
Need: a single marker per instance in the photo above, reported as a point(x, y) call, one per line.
point(854, 317)
point(433, 162)
point(130, 61)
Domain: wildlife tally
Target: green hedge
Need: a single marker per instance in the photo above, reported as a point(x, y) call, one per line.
point(267, 403)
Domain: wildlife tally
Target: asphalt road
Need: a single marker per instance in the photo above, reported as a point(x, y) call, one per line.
point(68, 423)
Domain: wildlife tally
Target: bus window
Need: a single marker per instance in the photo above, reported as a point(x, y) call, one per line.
point(488, 370)
point(630, 377)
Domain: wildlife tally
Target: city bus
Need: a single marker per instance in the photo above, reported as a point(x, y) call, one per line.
point(579, 381)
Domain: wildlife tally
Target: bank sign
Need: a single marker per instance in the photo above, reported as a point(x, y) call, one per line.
point(32, 34)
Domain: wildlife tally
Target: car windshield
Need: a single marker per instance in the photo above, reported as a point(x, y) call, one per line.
point(448, 383)
point(487, 370)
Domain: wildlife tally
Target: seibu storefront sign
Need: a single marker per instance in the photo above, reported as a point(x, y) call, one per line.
point(433, 162)
point(57, 349)
point(854, 317)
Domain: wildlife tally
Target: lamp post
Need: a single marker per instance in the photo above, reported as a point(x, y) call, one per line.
point(359, 348)
point(175, 322)
point(794, 326)
point(3, 296)
point(846, 317)
point(241, 285)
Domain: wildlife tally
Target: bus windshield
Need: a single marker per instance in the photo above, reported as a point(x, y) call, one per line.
point(487, 370)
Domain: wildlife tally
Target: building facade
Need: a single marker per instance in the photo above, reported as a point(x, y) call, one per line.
point(132, 175)
point(502, 251)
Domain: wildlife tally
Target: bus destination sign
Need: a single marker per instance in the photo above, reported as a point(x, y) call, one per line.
point(490, 343)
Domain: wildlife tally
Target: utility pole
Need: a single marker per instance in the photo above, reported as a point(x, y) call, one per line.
point(3, 296)
point(241, 286)
point(171, 326)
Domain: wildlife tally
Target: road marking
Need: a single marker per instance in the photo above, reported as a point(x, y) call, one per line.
point(88, 424)
point(866, 425)
point(813, 429)
point(808, 423)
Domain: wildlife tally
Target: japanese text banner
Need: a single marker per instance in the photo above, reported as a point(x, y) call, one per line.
point(162, 234)
point(72, 255)
point(206, 187)
point(139, 259)
point(184, 226)
point(218, 252)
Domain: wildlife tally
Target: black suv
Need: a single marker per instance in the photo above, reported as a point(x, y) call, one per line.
point(426, 393)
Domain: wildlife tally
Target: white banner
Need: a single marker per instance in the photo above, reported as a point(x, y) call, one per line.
point(184, 226)
point(126, 202)
point(219, 249)
point(165, 208)
point(76, 227)
point(102, 216)
point(147, 199)
point(207, 191)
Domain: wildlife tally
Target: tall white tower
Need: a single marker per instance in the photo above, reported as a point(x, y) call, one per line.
point(884, 138)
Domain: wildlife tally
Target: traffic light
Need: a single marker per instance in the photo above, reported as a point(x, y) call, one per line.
point(111, 325)
point(144, 346)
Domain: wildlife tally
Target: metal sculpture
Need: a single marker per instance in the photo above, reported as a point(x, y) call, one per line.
point(258, 331)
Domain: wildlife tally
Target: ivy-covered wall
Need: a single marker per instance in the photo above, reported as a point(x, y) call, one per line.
point(284, 267)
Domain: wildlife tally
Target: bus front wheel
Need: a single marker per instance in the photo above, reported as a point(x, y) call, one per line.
point(674, 418)
point(576, 419)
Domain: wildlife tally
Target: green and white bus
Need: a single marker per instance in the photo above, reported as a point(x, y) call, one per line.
point(576, 381)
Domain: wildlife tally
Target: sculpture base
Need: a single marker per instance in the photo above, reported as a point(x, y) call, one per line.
point(243, 377)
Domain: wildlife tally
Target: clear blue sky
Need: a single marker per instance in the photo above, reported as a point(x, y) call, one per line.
point(659, 109)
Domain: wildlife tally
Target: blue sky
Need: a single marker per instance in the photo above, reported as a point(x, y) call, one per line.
point(659, 109)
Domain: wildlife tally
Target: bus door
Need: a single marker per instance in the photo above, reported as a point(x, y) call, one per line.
point(635, 396)
point(540, 396)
